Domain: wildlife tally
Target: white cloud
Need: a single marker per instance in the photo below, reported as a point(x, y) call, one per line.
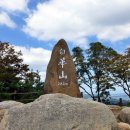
point(5, 20)
point(36, 58)
point(14, 5)
point(117, 32)
point(75, 20)
point(11, 7)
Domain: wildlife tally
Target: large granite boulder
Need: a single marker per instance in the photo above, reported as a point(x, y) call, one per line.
point(61, 73)
point(124, 115)
point(60, 112)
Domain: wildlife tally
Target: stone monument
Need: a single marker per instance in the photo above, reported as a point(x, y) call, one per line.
point(61, 72)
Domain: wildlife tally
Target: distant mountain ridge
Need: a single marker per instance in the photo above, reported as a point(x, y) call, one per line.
point(114, 99)
point(115, 96)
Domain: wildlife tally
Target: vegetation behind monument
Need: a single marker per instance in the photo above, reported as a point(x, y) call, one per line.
point(99, 69)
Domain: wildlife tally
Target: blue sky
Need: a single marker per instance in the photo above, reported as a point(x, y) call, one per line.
point(34, 26)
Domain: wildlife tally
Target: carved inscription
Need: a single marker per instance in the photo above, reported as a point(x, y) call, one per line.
point(62, 76)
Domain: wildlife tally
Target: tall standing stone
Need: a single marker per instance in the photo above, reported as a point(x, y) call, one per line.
point(61, 72)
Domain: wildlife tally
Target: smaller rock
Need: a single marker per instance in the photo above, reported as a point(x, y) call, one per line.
point(123, 126)
point(124, 115)
point(116, 110)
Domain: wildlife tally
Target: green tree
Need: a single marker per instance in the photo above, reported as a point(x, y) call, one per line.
point(12, 70)
point(84, 75)
point(15, 76)
point(120, 70)
point(92, 70)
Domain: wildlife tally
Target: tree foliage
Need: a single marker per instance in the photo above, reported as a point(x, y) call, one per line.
point(15, 76)
point(91, 66)
point(120, 70)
